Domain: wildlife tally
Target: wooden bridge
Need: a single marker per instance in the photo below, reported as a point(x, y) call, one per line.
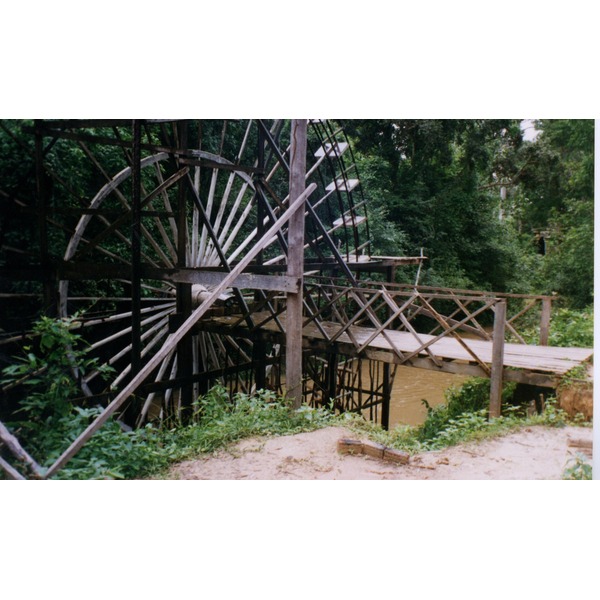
point(523, 363)
point(438, 329)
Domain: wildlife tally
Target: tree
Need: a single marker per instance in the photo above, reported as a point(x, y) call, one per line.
point(557, 181)
point(433, 178)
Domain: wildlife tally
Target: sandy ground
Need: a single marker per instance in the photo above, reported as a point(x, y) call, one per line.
point(532, 453)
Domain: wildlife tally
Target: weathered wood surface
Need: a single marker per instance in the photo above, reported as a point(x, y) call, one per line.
point(295, 262)
point(10, 470)
point(580, 443)
point(349, 446)
point(497, 360)
point(372, 449)
point(548, 359)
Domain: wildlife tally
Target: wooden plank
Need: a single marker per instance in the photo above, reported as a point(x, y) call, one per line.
point(174, 338)
point(543, 363)
point(396, 456)
point(342, 185)
point(349, 446)
point(541, 358)
point(93, 271)
point(373, 449)
point(329, 149)
point(250, 281)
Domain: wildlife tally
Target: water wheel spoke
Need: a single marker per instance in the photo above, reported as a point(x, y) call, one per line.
point(122, 332)
point(159, 331)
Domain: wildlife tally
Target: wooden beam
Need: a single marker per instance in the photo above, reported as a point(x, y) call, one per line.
point(251, 281)
point(295, 262)
point(497, 360)
point(173, 339)
point(136, 250)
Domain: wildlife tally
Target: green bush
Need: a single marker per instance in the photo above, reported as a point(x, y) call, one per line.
point(463, 418)
point(472, 398)
point(572, 328)
point(578, 468)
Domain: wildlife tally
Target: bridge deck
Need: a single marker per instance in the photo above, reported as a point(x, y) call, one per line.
point(549, 359)
point(545, 359)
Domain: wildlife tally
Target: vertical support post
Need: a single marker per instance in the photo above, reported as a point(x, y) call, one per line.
point(184, 290)
point(387, 374)
point(545, 321)
point(259, 347)
point(295, 265)
point(497, 359)
point(332, 372)
point(387, 394)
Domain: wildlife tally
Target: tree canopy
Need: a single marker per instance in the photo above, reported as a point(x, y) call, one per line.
point(489, 209)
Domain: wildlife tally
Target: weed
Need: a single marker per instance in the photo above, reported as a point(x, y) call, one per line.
point(578, 468)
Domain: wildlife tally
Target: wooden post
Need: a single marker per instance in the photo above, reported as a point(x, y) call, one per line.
point(295, 265)
point(545, 321)
point(497, 360)
point(387, 395)
point(184, 290)
point(332, 378)
point(259, 347)
point(129, 415)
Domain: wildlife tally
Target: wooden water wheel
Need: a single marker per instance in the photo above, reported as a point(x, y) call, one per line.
point(175, 207)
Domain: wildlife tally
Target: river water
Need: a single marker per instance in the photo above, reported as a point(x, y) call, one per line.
point(411, 385)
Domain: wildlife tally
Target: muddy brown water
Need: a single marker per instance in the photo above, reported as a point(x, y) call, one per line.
point(412, 385)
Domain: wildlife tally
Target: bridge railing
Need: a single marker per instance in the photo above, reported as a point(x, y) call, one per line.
point(427, 310)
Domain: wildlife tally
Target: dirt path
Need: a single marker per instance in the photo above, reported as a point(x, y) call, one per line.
point(532, 453)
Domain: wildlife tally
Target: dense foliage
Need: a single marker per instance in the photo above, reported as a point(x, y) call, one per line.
point(490, 210)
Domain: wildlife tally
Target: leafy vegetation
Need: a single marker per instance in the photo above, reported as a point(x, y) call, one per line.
point(220, 420)
point(578, 468)
point(50, 420)
point(490, 210)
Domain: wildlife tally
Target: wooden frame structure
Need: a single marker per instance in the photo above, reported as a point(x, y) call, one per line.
point(234, 254)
